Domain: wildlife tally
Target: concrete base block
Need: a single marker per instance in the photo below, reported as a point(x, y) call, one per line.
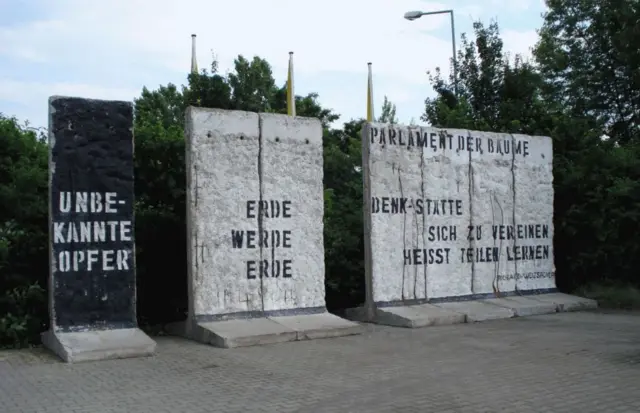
point(95, 345)
point(415, 316)
point(269, 330)
point(566, 302)
point(478, 310)
point(234, 333)
point(314, 326)
point(523, 306)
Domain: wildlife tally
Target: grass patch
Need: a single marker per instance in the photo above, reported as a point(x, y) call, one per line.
point(618, 296)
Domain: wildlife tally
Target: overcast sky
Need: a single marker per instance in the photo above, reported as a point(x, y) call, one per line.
point(110, 49)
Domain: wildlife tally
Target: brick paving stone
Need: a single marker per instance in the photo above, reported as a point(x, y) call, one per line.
point(570, 362)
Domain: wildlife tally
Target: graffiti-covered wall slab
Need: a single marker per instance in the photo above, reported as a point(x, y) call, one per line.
point(92, 283)
point(92, 280)
point(456, 213)
point(255, 208)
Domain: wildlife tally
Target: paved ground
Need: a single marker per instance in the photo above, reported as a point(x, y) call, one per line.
point(579, 362)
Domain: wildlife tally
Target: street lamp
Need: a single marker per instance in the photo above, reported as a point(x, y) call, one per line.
point(413, 15)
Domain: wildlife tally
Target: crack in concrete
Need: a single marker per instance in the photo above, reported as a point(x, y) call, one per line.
point(471, 241)
point(195, 177)
point(417, 232)
point(404, 235)
point(424, 219)
point(261, 210)
point(513, 190)
point(496, 280)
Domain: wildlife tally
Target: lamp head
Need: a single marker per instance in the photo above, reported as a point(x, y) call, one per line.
point(412, 15)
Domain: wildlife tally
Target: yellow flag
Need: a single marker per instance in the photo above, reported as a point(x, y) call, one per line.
point(370, 117)
point(194, 63)
point(291, 96)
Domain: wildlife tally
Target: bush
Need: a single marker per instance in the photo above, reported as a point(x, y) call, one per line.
point(161, 250)
point(615, 295)
point(597, 213)
point(23, 234)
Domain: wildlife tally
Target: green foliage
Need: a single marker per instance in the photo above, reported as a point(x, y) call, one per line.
point(616, 295)
point(597, 214)
point(252, 85)
point(23, 233)
point(164, 107)
point(588, 53)
point(22, 318)
point(159, 163)
point(343, 221)
point(588, 58)
point(494, 93)
point(388, 113)
point(596, 183)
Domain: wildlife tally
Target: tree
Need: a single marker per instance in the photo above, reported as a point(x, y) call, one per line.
point(388, 114)
point(494, 93)
point(343, 219)
point(588, 55)
point(208, 90)
point(252, 85)
point(159, 162)
point(305, 106)
point(590, 176)
point(164, 106)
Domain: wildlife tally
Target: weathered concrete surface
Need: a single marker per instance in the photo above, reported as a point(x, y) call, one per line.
point(292, 171)
point(566, 302)
point(222, 175)
point(524, 306)
point(324, 325)
point(491, 206)
point(255, 209)
point(533, 177)
point(402, 172)
point(236, 160)
point(455, 214)
point(99, 344)
point(585, 362)
point(266, 330)
point(242, 332)
point(411, 316)
point(92, 280)
point(478, 310)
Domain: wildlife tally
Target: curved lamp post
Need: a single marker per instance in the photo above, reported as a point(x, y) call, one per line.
point(413, 15)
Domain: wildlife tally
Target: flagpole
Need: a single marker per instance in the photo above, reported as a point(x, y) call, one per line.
point(370, 115)
point(194, 62)
point(291, 96)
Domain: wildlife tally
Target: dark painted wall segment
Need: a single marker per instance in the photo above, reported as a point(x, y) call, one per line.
point(91, 198)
